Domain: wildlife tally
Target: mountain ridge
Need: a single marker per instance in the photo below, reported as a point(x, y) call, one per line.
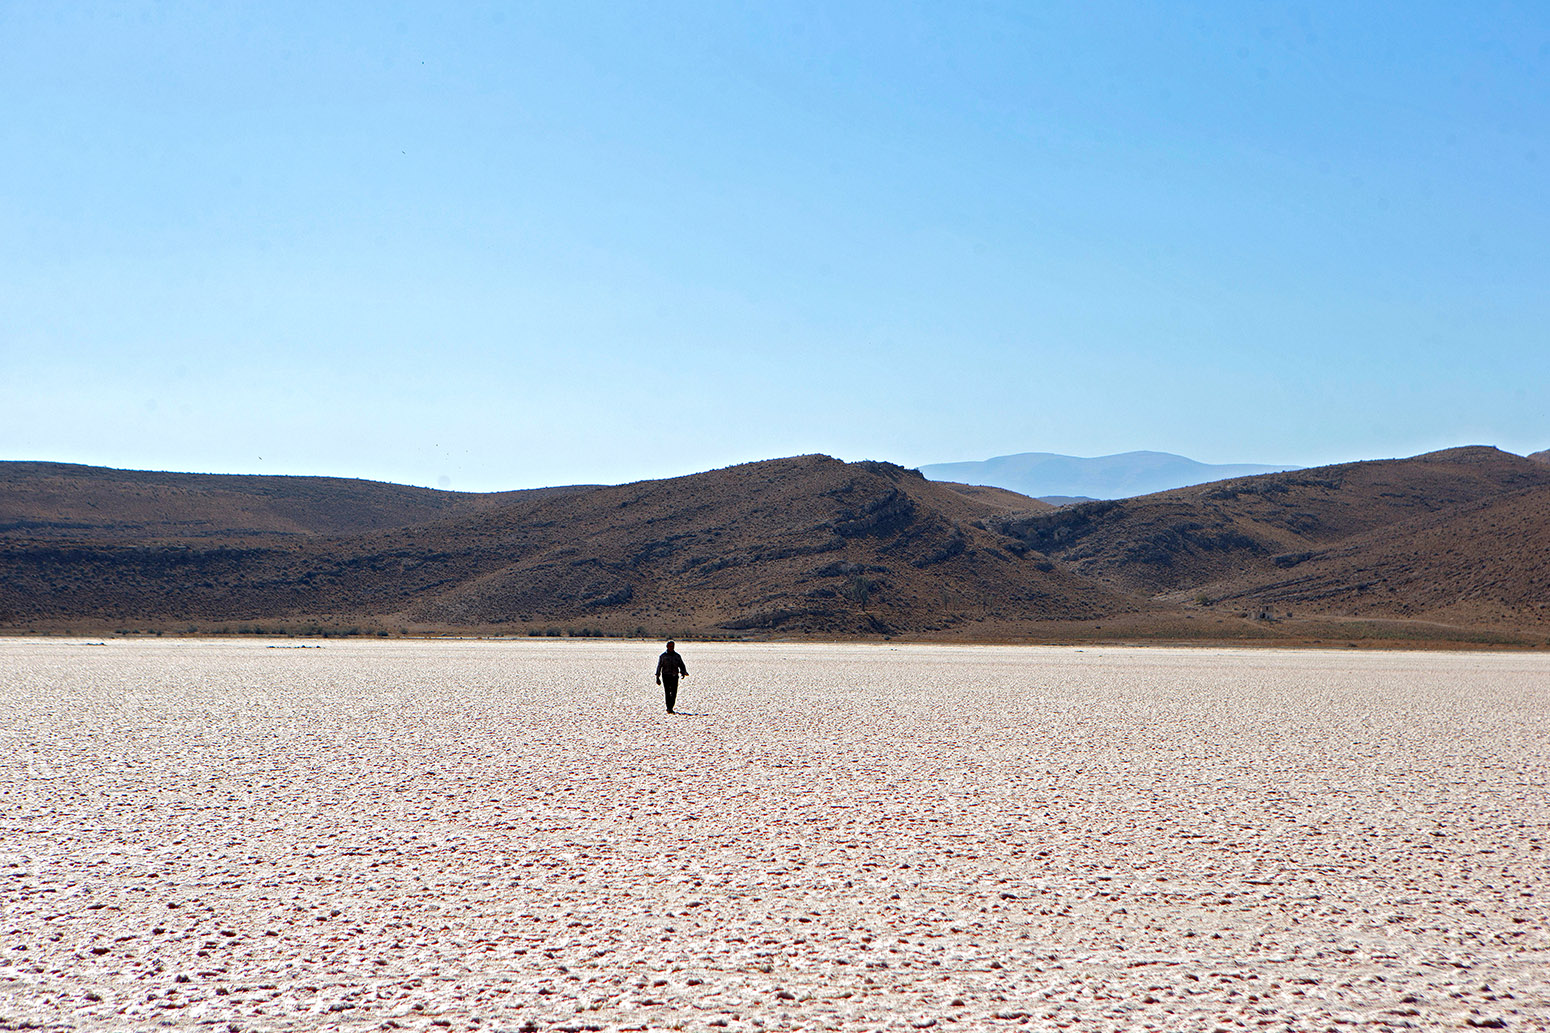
point(1233, 541)
point(801, 546)
point(70, 497)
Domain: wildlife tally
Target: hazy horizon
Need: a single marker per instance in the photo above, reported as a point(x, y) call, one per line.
point(932, 471)
point(488, 249)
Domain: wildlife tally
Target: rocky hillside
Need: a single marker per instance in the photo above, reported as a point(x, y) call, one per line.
point(1401, 538)
point(63, 501)
point(808, 544)
point(801, 546)
point(1486, 563)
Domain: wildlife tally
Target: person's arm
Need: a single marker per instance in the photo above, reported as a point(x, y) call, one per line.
point(659, 670)
point(681, 668)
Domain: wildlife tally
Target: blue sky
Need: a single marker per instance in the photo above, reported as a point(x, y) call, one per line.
point(497, 245)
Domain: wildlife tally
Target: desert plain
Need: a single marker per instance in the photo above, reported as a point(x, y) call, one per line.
point(246, 835)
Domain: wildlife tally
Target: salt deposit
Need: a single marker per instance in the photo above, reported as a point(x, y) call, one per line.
point(508, 836)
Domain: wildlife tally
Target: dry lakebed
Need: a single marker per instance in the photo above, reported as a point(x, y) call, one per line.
point(244, 835)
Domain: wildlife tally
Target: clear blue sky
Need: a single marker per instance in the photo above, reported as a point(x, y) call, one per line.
point(504, 245)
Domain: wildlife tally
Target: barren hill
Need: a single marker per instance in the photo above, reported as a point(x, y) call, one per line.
point(808, 544)
point(1485, 563)
point(65, 501)
point(999, 498)
point(1412, 524)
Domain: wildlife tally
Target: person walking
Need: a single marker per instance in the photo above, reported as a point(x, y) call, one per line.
point(669, 666)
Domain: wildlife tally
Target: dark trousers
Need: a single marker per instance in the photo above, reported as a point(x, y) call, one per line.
point(670, 690)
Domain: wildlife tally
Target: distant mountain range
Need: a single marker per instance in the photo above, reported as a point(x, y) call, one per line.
point(1452, 546)
point(1062, 479)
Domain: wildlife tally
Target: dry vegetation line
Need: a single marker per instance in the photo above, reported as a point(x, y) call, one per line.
point(508, 836)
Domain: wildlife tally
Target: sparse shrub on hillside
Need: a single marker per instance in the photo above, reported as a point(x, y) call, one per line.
point(711, 564)
point(955, 545)
point(616, 597)
point(1231, 490)
point(840, 568)
point(885, 514)
point(859, 589)
point(652, 551)
point(1302, 523)
point(782, 618)
point(1051, 530)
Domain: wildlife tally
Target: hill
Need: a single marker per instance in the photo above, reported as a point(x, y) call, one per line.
point(1424, 527)
point(808, 545)
point(64, 501)
point(1047, 474)
point(1482, 564)
point(1451, 546)
point(998, 498)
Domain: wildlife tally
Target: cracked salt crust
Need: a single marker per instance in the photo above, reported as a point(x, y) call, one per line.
point(472, 836)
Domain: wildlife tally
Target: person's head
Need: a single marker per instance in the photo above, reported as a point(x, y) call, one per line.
point(669, 645)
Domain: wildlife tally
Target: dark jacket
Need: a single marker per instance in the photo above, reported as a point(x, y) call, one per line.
point(670, 665)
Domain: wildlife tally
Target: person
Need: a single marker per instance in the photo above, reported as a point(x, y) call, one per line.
point(669, 666)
